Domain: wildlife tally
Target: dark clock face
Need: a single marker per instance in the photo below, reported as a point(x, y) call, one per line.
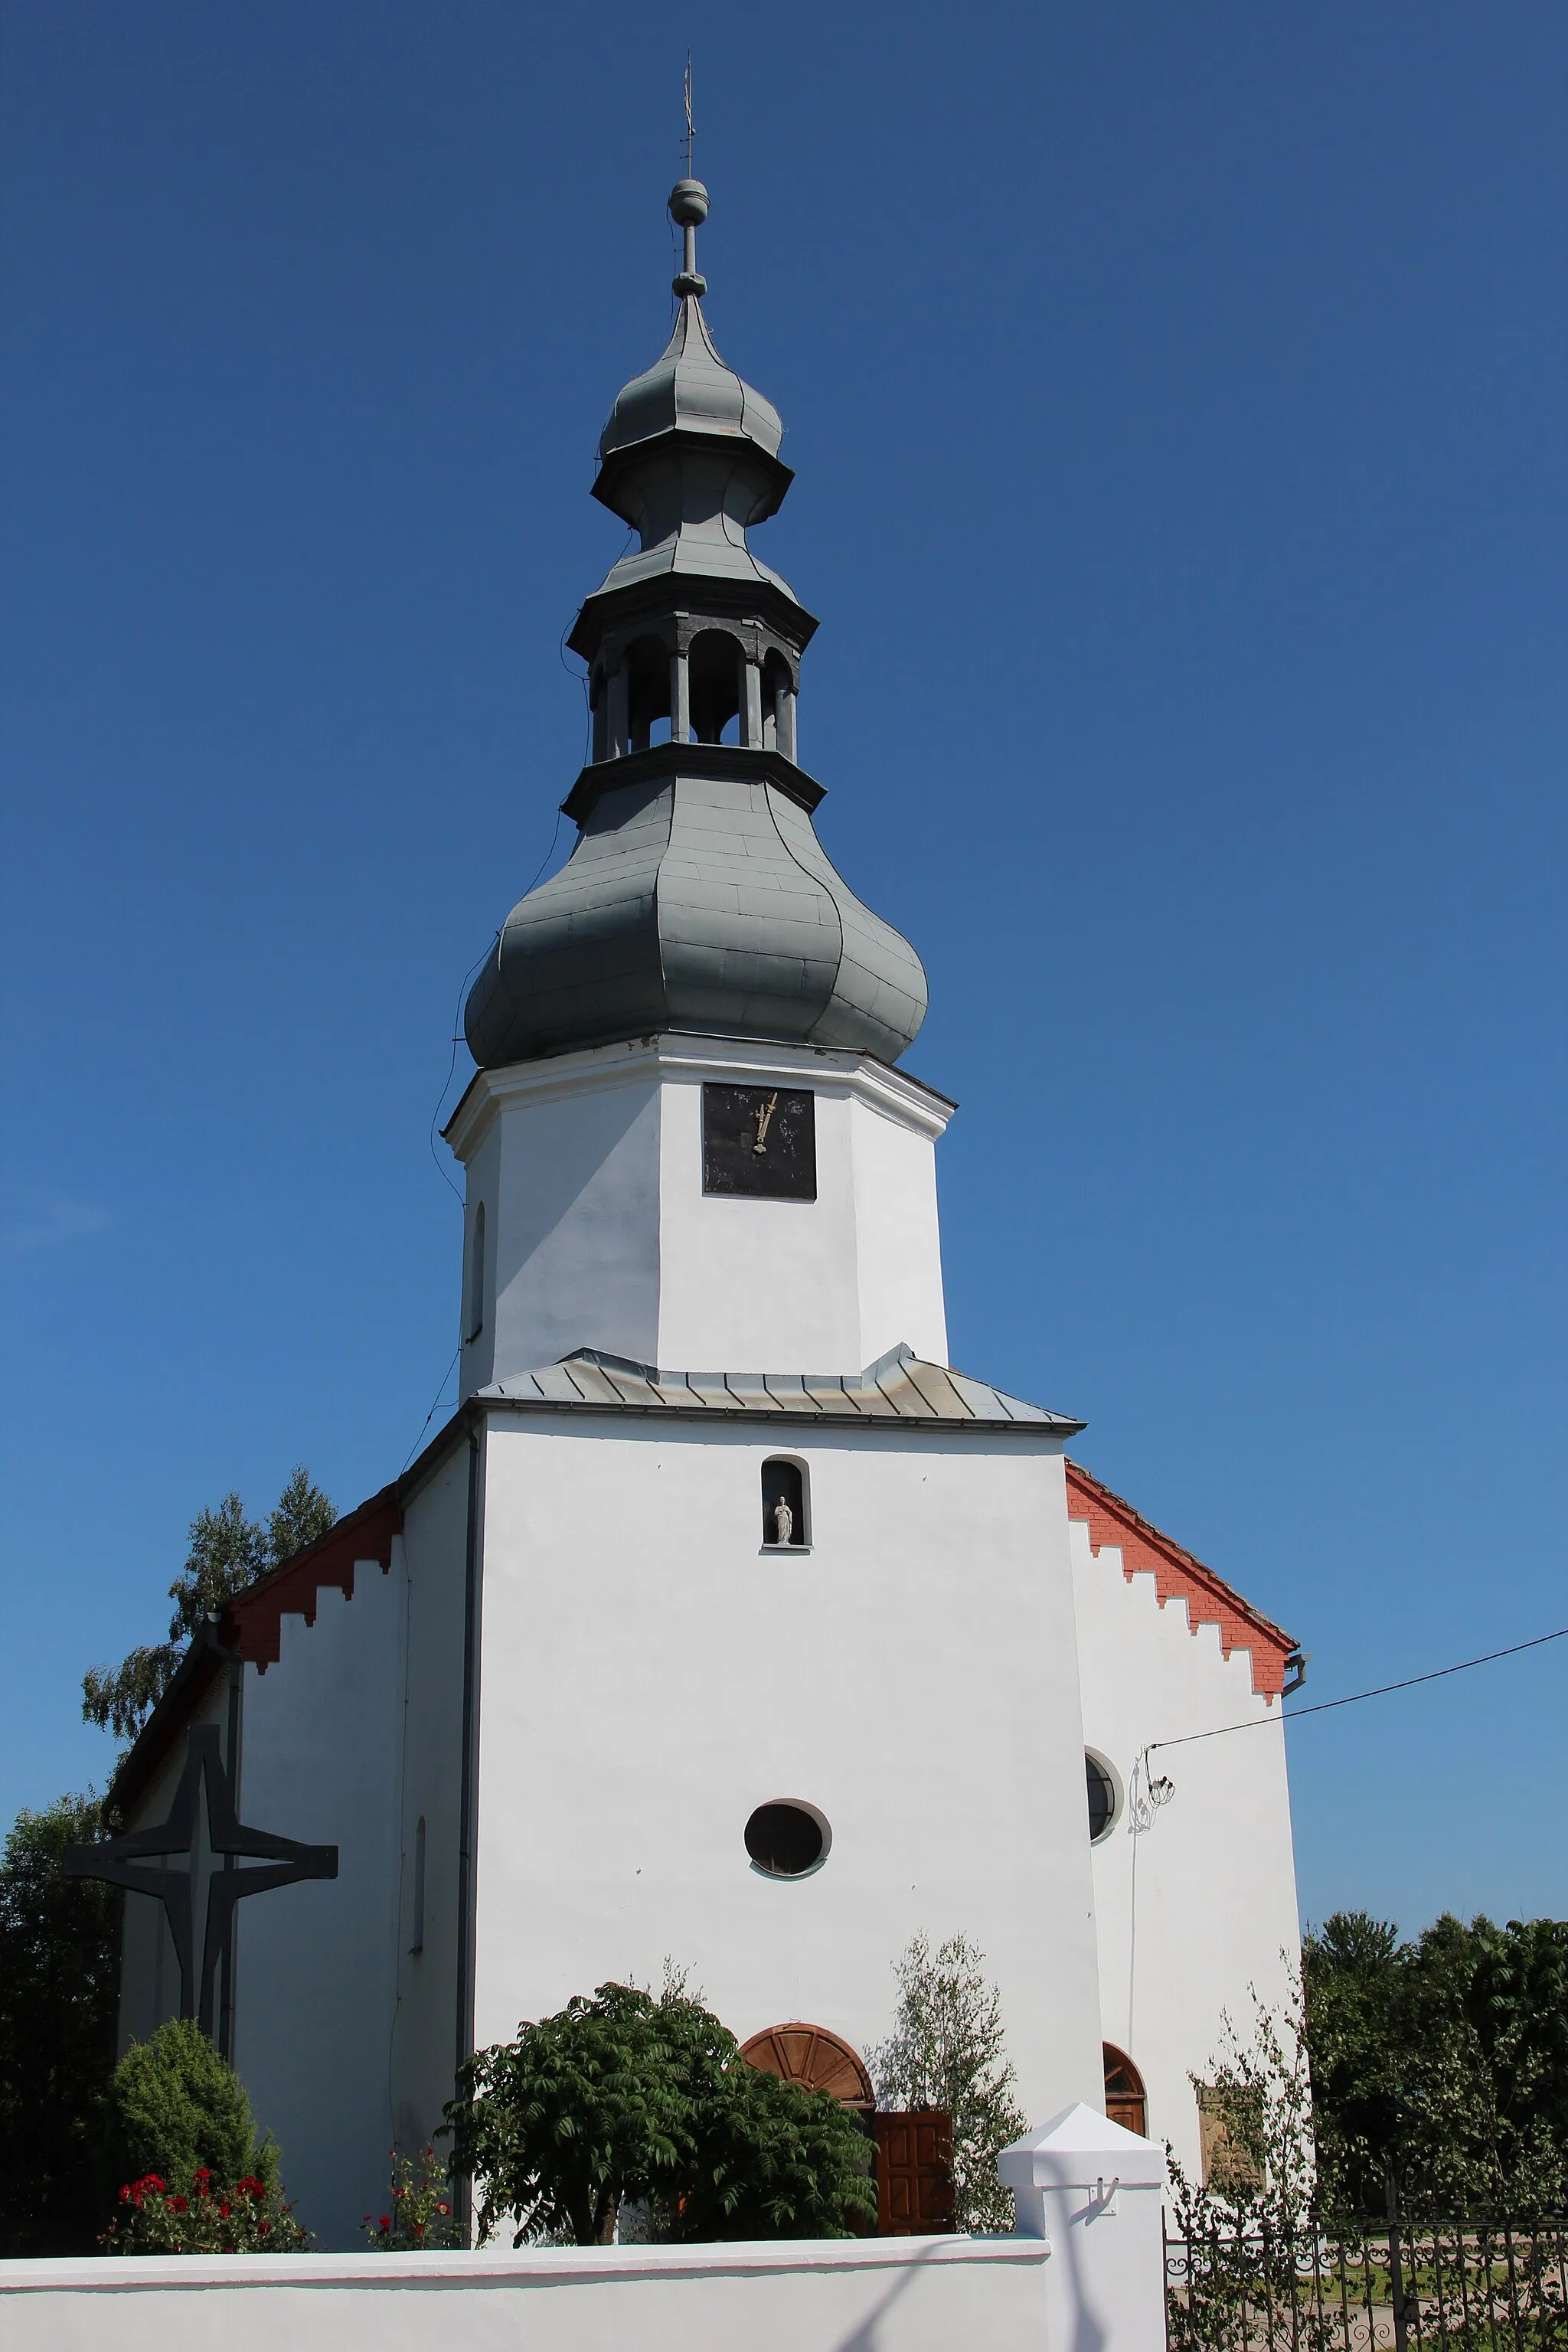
point(759, 1141)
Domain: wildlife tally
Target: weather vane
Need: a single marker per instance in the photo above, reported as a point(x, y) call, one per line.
point(688, 210)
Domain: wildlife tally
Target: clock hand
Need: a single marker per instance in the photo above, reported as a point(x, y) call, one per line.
point(764, 1121)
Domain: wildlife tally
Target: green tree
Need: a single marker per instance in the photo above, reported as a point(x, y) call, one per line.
point(228, 1551)
point(174, 2105)
point(60, 1983)
point(1357, 2034)
point(948, 2050)
point(1441, 2062)
point(625, 2098)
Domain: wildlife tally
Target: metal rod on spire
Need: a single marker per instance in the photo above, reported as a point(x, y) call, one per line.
point(688, 209)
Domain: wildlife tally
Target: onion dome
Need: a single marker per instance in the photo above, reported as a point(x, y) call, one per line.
point(698, 899)
point(691, 390)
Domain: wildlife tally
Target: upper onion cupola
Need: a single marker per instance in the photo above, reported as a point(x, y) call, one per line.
point(690, 456)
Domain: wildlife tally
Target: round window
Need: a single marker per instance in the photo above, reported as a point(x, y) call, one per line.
point(785, 1841)
point(1101, 1798)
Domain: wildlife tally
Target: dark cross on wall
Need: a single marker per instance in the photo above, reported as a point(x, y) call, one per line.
point(123, 1862)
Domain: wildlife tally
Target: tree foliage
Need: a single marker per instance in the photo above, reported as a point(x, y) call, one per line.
point(1442, 2062)
point(625, 2098)
point(948, 2050)
point(59, 1982)
point(228, 1551)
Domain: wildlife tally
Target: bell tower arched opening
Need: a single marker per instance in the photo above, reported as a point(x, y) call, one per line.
point(778, 705)
point(717, 664)
point(647, 692)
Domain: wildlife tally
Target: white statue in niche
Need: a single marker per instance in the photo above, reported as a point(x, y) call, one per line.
point(784, 1522)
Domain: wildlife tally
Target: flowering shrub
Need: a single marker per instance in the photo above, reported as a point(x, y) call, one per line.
point(420, 2208)
point(191, 2213)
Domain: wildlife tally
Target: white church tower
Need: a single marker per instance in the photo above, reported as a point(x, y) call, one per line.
point(776, 1660)
point(724, 1622)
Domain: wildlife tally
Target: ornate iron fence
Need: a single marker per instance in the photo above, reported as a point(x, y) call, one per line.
point(1468, 2285)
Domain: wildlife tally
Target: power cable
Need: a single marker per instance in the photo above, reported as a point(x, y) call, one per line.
point(1326, 1706)
point(434, 1409)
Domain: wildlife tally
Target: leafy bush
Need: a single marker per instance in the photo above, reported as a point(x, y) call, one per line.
point(175, 2107)
point(420, 2208)
point(191, 2213)
point(625, 2098)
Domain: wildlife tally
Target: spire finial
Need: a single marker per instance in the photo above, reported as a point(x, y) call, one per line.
point(689, 208)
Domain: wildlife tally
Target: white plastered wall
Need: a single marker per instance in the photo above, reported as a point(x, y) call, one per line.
point(1197, 1909)
point(650, 1675)
point(598, 1233)
point(316, 1963)
point(430, 2002)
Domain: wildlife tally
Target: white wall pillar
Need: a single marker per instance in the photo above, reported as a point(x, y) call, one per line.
point(786, 727)
point(680, 699)
point(1095, 2193)
point(752, 717)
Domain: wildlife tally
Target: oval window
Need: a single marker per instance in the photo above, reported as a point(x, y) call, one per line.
point(785, 1841)
point(1101, 1798)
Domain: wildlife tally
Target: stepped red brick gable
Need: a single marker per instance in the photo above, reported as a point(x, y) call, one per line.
point(1210, 1601)
point(253, 1625)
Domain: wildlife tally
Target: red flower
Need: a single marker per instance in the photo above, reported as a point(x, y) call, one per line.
point(385, 2222)
point(223, 2213)
point(443, 2208)
point(250, 2187)
point(267, 2228)
point(201, 2173)
point(175, 2204)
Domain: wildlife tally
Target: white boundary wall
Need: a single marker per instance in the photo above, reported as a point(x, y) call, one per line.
point(860, 2294)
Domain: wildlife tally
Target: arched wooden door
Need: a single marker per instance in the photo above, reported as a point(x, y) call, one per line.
point(815, 2059)
point(1125, 2103)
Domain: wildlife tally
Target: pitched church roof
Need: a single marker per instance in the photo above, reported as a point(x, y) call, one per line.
point(1179, 1575)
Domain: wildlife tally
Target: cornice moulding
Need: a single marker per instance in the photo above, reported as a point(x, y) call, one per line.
point(672, 1054)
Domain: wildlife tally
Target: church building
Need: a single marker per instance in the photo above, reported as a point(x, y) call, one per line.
point(725, 1619)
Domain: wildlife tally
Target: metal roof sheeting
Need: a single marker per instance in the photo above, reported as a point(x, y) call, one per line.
point(899, 1387)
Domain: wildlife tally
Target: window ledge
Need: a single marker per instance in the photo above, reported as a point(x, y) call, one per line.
point(786, 1549)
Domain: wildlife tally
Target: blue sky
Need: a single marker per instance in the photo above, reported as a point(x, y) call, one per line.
point(1176, 399)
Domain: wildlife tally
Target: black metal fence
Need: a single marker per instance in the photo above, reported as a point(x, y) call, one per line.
point(1481, 2285)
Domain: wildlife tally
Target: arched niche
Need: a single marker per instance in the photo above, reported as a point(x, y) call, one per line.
point(815, 2059)
point(785, 1482)
point(474, 1316)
